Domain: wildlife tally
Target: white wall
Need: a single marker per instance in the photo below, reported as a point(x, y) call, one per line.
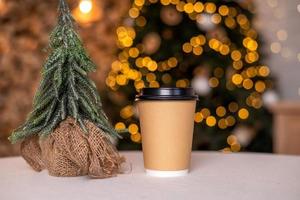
point(272, 16)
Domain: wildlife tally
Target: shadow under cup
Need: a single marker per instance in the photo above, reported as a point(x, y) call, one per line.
point(167, 123)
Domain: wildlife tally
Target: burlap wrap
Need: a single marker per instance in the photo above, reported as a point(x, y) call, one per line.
point(68, 151)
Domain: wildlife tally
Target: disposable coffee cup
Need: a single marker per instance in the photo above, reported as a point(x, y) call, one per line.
point(167, 123)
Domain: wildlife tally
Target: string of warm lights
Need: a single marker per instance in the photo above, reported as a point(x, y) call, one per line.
point(135, 65)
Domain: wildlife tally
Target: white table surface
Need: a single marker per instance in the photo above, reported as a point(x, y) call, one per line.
point(213, 176)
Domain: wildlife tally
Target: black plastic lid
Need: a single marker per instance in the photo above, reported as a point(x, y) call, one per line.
point(167, 94)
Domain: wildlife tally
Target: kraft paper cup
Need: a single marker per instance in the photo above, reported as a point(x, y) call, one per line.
point(167, 123)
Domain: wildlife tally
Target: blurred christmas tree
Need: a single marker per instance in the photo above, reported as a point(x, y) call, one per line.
point(209, 45)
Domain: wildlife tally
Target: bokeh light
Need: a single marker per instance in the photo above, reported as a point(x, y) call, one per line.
point(85, 6)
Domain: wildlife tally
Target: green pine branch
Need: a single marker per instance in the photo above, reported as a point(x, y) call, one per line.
point(65, 89)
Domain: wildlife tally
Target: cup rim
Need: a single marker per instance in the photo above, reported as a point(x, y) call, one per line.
point(166, 93)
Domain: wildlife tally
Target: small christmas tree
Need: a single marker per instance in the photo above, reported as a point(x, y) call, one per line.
point(65, 99)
